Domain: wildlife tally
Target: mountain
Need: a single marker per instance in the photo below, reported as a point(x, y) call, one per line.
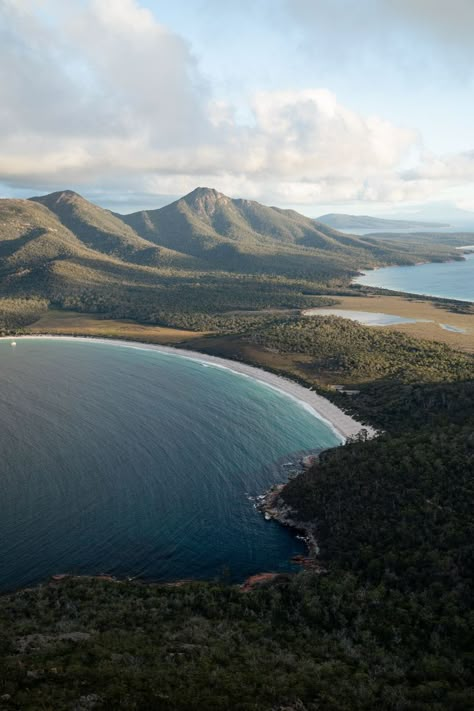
point(342, 221)
point(39, 255)
point(101, 230)
point(443, 210)
point(31, 235)
point(205, 253)
point(243, 234)
point(206, 218)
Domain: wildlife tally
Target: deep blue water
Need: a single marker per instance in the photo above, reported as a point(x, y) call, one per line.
point(449, 280)
point(136, 463)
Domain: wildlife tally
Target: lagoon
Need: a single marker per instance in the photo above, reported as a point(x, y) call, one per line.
point(367, 318)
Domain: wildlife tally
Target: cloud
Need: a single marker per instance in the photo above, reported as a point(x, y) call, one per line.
point(308, 133)
point(451, 22)
point(101, 68)
point(375, 21)
point(100, 94)
point(458, 167)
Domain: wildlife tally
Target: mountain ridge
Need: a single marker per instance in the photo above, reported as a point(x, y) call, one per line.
point(211, 224)
point(360, 222)
point(101, 230)
point(64, 248)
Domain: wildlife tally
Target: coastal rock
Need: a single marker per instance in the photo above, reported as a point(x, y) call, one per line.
point(309, 460)
point(261, 579)
point(274, 507)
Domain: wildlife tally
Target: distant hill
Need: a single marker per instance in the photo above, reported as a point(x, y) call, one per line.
point(342, 221)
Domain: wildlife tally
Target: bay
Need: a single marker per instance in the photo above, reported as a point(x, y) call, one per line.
point(448, 280)
point(136, 463)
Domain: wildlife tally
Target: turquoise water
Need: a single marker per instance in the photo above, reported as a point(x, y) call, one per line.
point(449, 280)
point(136, 463)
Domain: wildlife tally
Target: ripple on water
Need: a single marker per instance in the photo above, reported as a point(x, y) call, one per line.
point(134, 462)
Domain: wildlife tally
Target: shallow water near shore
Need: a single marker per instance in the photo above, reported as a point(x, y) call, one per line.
point(137, 463)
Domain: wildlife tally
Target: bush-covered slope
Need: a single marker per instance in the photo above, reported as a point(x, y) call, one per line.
point(245, 235)
point(204, 237)
point(352, 351)
point(101, 230)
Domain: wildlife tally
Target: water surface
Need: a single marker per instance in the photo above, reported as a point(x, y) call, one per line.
point(368, 318)
point(137, 463)
point(448, 280)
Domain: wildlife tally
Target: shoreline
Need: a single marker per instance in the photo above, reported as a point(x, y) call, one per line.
point(343, 425)
point(274, 508)
point(356, 281)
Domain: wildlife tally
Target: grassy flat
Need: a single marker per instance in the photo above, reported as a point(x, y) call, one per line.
point(418, 309)
point(74, 324)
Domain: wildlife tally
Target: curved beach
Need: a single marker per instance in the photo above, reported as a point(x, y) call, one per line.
point(341, 423)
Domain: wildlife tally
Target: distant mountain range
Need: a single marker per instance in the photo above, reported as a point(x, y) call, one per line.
point(63, 247)
point(203, 230)
point(342, 221)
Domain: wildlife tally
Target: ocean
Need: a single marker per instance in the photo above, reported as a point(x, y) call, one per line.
point(131, 462)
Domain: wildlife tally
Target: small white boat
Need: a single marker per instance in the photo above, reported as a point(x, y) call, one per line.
point(13, 343)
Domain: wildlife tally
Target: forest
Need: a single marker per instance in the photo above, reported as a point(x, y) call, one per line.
point(386, 623)
point(386, 619)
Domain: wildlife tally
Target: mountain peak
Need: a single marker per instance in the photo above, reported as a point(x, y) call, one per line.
point(60, 196)
point(204, 192)
point(204, 200)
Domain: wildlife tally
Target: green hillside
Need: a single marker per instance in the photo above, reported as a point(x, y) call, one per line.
point(181, 265)
point(31, 236)
point(101, 230)
point(242, 234)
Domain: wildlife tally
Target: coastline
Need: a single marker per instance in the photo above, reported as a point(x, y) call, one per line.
point(342, 424)
point(357, 280)
point(274, 508)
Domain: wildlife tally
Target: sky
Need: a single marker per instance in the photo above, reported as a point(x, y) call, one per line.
point(360, 106)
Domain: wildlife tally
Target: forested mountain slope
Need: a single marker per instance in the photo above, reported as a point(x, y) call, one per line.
point(204, 232)
point(101, 230)
point(180, 265)
point(210, 224)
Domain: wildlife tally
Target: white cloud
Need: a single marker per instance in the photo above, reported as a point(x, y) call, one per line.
point(99, 93)
point(454, 167)
point(309, 134)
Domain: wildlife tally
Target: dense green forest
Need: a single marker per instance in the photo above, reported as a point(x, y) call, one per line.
point(17, 313)
point(357, 352)
point(389, 625)
point(387, 622)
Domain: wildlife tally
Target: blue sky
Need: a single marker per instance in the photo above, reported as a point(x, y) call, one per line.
point(324, 105)
point(245, 46)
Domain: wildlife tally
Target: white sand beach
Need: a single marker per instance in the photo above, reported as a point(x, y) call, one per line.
point(344, 425)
